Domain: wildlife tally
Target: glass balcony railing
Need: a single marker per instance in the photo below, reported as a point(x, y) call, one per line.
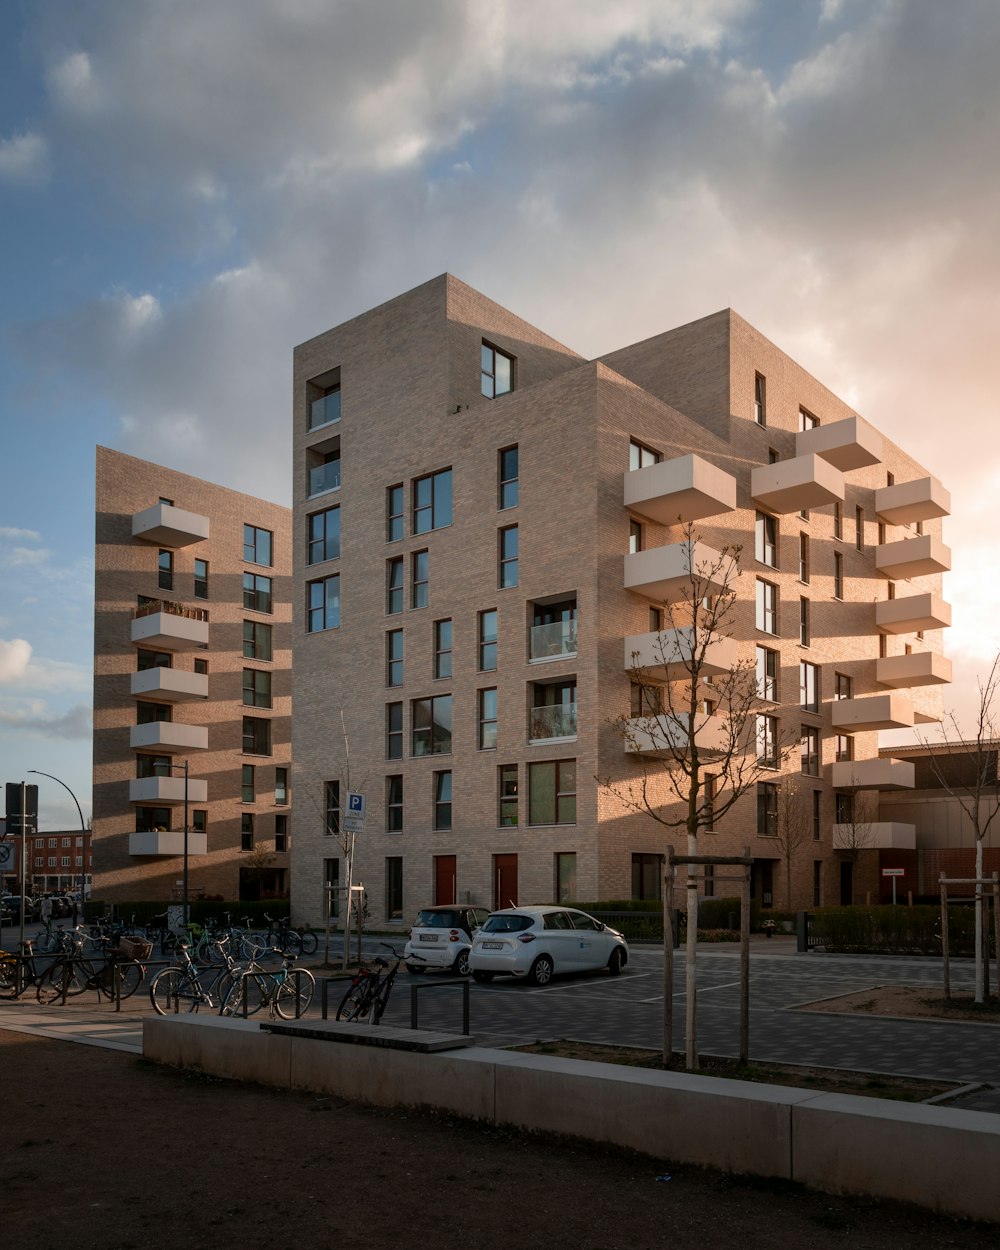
point(548, 642)
point(324, 410)
point(557, 721)
point(324, 477)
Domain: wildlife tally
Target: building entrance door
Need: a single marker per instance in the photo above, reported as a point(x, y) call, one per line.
point(504, 881)
point(444, 879)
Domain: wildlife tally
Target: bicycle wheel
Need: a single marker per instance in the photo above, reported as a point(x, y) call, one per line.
point(174, 984)
point(51, 982)
point(356, 1003)
point(47, 943)
point(254, 987)
point(129, 976)
point(294, 994)
point(310, 942)
point(83, 975)
point(10, 982)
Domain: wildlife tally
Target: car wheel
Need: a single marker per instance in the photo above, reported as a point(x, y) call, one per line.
point(615, 962)
point(541, 971)
point(461, 965)
point(415, 969)
point(482, 977)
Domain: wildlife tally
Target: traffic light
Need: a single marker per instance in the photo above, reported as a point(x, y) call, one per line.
point(19, 822)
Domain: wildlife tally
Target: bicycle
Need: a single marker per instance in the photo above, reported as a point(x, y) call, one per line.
point(368, 994)
point(20, 972)
point(73, 974)
point(173, 986)
point(287, 992)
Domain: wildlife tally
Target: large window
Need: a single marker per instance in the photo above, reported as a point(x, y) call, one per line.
point(507, 478)
point(640, 456)
point(394, 887)
point(766, 539)
point(552, 793)
point(323, 536)
point(153, 659)
point(256, 640)
point(257, 544)
point(148, 713)
point(553, 710)
point(256, 593)
point(507, 795)
point(394, 585)
point(767, 741)
point(165, 565)
point(442, 648)
point(394, 731)
point(394, 804)
point(431, 726)
point(323, 467)
point(150, 766)
point(497, 372)
point(767, 674)
point(767, 809)
point(281, 786)
point(565, 876)
point(767, 607)
point(324, 405)
point(394, 657)
point(256, 736)
point(246, 831)
point(488, 719)
point(442, 800)
point(281, 833)
point(332, 804)
point(844, 809)
point(809, 686)
point(419, 579)
point(647, 876)
point(508, 557)
point(248, 784)
point(394, 513)
point(809, 750)
point(201, 579)
point(323, 603)
point(256, 687)
point(488, 641)
point(432, 502)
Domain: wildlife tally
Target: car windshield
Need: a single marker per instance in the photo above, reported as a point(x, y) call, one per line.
point(582, 921)
point(507, 924)
point(437, 920)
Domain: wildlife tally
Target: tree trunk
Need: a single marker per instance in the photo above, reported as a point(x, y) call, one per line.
point(690, 1023)
point(979, 920)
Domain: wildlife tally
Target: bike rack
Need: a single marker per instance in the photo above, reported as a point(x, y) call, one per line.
point(462, 985)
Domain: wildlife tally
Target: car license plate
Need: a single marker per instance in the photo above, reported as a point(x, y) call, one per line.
point(428, 937)
point(491, 946)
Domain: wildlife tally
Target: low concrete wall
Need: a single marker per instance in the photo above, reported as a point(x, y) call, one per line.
point(935, 1157)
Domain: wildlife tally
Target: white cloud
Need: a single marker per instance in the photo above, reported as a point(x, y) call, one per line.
point(10, 531)
point(14, 658)
point(73, 83)
point(21, 557)
point(37, 721)
point(24, 158)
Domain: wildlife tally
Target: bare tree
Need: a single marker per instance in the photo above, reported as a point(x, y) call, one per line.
point(856, 816)
point(693, 718)
point(793, 826)
point(257, 862)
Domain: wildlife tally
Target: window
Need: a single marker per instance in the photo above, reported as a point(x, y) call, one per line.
point(256, 687)
point(507, 573)
point(842, 686)
point(640, 456)
point(323, 536)
point(817, 802)
point(553, 710)
point(803, 557)
point(67, 842)
point(394, 585)
point(844, 748)
point(809, 686)
point(859, 528)
point(711, 783)
point(656, 620)
point(150, 766)
point(767, 674)
point(256, 545)
point(419, 579)
point(394, 731)
point(394, 803)
point(281, 786)
point(497, 372)
point(332, 801)
point(256, 593)
point(766, 540)
point(256, 640)
point(759, 399)
point(767, 607)
point(804, 621)
point(507, 478)
point(324, 404)
point(153, 659)
point(844, 808)
point(767, 741)
point(817, 883)
point(148, 713)
point(488, 641)
point(248, 784)
point(323, 603)
point(644, 700)
point(767, 809)
point(881, 533)
point(246, 831)
point(281, 833)
point(394, 513)
point(394, 887)
point(883, 646)
point(442, 648)
point(565, 876)
point(773, 455)
point(507, 795)
point(488, 719)
point(442, 800)
point(256, 736)
point(64, 861)
point(807, 421)
point(323, 468)
point(165, 565)
point(838, 520)
point(431, 726)
point(809, 750)
point(432, 502)
point(201, 579)
point(52, 861)
point(634, 536)
point(838, 575)
point(552, 793)
point(647, 876)
point(394, 657)
point(552, 634)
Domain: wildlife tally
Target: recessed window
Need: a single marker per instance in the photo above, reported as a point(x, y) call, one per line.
point(766, 539)
point(394, 585)
point(248, 784)
point(151, 766)
point(281, 786)
point(201, 666)
point(331, 794)
point(838, 575)
point(165, 565)
point(324, 404)
point(497, 372)
point(645, 699)
point(767, 674)
point(767, 741)
point(323, 536)
point(804, 621)
point(246, 831)
point(552, 793)
point(647, 876)
point(817, 808)
point(256, 640)
point(807, 421)
point(760, 399)
point(419, 579)
point(507, 795)
point(803, 557)
point(201, 579)
point(859, 528)
point(394, 804)
point(394, 887)
point(634, 536)
point(432, 502)
point(431, 726)
point(844, 752)
point(394, 731)
point(148, 713)
point(508, 557)
point(153, 659)
point(256, 736)
point(257, 687)
point(281, 833)
point(767, 607)
point(809, 686)
point(844, 808)
point(488, 719)
point(838, 521)
point(323, 467)
point(842, 686)
point(553, 710)
point(442, 648)
point(488, 641)
point(552, 634)
point(507, 478)
point(442, 800)
point(394, 657)
point(323, 603)
point(256, 593)
point(809, 750)
point(394, 513)
point(257, 545)
point(565, 876)
point(767, 809)
point(640, 456)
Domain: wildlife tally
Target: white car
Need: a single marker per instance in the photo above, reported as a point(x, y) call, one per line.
point(441, 937)
point(542, 942)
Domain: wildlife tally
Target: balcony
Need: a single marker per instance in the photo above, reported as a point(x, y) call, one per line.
point(168, 737)
point(912, 614)
point(325, 409)
point(849, 444)
point(876, 835)
point(169, 685)
point(167, 842)
point(665, 575)
point(556, 721)
point(796, 485)
point(674, 492)
point(666, 656)
point(552, 641)
point(923, 499)
point(167, 526)
point(324, 477)
point(913, 557)
point(876, 711)
point(924, 668)
point(658, 735)
point(873, 774)
point(169, 627)
point(166, 791)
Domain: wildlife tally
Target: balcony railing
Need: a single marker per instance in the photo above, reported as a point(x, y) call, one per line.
point(556, 721)
point(550, 642)
point(324, 477)
point(173, 609)
point(324, 410)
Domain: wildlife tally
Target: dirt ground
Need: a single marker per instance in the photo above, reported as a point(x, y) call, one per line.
point(911, 1000)
point(102, 1149)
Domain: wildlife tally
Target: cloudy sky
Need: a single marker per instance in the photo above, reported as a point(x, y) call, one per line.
point(190, 187)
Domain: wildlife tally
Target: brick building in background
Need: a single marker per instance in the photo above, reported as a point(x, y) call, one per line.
point(192, 660)
point(485, 525)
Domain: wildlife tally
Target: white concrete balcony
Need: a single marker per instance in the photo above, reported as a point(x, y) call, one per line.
point(912, 614)
point(168, 737)
point(796, 485)
point(848, 444)
point(873, 774)
point(875, 711)
point(167, 526)
point(674, 492)
point(923, 499)
point(166, 791)
point(676, 573)
point(659, 735)
point(170, 629)
point(169, 685)
point(913, 557)
point(876, 835)
point(923, 668)
point(667, 655)
point(167, 842)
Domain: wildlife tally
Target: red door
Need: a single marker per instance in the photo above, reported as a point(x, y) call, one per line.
point(504, 881)
point(444, 879)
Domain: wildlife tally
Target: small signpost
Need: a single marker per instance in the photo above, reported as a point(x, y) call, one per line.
point(894, 873)
point(354, 818)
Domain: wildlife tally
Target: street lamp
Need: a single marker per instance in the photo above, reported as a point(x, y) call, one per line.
point(83, 827)
point(184, 887)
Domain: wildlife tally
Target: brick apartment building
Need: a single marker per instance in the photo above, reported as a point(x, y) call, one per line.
point(192, 662)
point(485, 526)
point(56, 860)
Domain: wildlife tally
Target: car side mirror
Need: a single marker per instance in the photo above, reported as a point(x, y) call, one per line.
point(601, 926)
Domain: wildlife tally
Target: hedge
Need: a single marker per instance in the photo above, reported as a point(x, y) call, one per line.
point(894, 930)
point(199, 910)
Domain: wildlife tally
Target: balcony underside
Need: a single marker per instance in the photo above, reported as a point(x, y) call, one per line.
point(878, 835)
point(166, 791)
point(676, 573)
point(923, 499)
point(796, 485)
point(878, 711)
point(912, 614)
point(168, 737)
point(169, 631)
point(667, 655)
point(662, 735)
point(169, 842)
point(169, 685)
point(925, 668)
point(913, 557)
point(167, 526)
point(848, 444)
point(873, 774)
point(674, 492)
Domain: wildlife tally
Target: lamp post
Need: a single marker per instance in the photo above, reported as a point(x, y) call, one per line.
point(184, 886)
point(83, 828)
